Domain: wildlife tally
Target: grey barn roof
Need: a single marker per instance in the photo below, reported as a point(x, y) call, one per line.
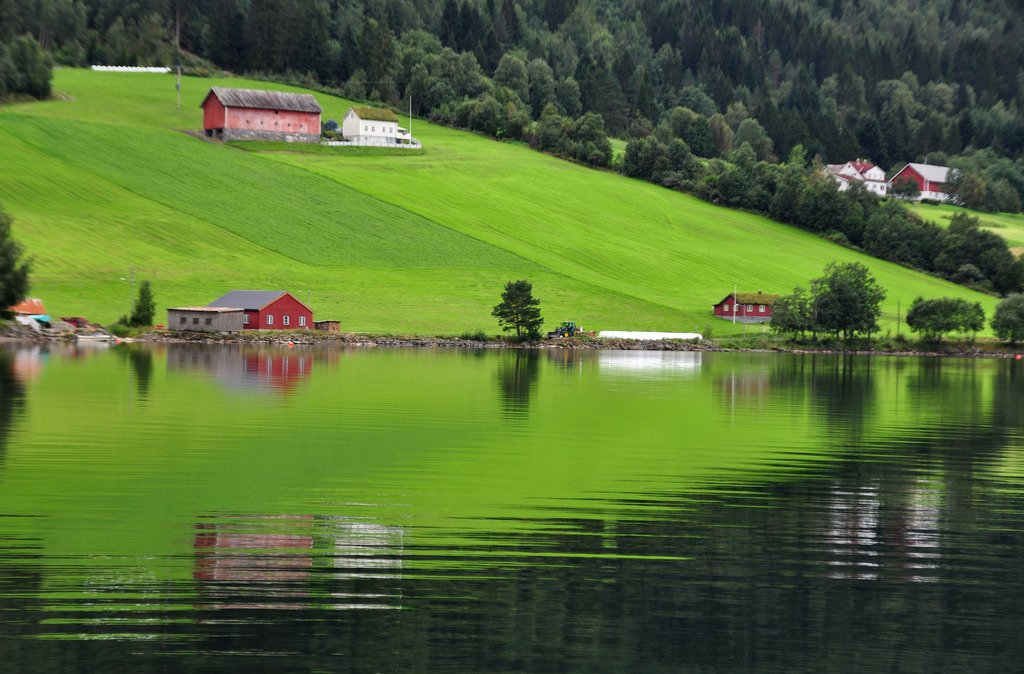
point(264, 100)
point(251, 300)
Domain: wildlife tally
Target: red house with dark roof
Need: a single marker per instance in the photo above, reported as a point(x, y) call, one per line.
point(267, 309)
point(746, 307)
point(251, 114)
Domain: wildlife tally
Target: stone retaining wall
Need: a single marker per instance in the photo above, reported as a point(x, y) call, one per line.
point(277, 136)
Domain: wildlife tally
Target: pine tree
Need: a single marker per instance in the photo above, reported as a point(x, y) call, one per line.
point(13, 269)
point(519, 310)
point(145, 307)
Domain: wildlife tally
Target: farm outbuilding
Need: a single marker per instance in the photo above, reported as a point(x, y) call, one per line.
point(251, 114)
point(746, 307)
point(930, 180)
point(205, 319)
point(267, 309)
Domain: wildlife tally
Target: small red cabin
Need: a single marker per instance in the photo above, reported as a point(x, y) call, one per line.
point(250, 114)
point(268, 309)
point(746, 307)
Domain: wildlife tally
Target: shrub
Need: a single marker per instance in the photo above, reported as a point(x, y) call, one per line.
point(1008, 320)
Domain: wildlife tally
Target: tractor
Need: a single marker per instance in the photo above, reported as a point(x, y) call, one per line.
point(566, 329)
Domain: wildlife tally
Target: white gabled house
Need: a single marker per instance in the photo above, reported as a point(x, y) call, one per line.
point(859, 171)
point(374, 127)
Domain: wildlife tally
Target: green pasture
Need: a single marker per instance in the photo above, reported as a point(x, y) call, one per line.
point(1010, 226)
point(102, 180)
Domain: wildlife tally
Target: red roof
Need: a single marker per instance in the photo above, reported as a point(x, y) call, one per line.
point(30, 307)
point(862, 166)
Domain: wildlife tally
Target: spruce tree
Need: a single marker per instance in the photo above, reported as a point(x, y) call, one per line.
point(145, 307)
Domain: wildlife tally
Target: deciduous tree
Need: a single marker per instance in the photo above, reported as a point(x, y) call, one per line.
point(1008, 320)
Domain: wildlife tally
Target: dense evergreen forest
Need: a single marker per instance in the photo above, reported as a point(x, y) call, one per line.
point(746, 84)
point(893, 81)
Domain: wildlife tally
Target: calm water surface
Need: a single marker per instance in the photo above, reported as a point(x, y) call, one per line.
point(411, 510)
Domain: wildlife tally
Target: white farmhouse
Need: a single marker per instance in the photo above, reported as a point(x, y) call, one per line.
point(859, 171)
point(373, 126)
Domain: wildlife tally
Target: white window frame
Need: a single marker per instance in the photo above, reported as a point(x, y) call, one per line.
point(302, 321)
point(286, 320)
point(760, 308)
point(270, 319)
point(750, 308)
point(726, 309)
point(245, 319)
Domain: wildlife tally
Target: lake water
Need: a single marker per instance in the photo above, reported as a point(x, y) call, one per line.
point(418, 510)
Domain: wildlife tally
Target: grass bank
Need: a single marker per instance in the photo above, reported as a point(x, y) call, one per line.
point(102, 183)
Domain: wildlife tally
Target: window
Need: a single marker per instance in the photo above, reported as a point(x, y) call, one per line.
point(760, 308)
point(209, 321)
point(302, 321)
point(286, 321)
point(726, 307)
point(750, 307)
point(245, 319)
point(195, 320)
point(184, 320)
point(270, 319)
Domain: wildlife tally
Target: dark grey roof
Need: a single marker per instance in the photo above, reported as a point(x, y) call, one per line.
point(251, 300)
point(264, 100)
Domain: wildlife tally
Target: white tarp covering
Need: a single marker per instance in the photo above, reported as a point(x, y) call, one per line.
point(622, 334)
point(130, 69)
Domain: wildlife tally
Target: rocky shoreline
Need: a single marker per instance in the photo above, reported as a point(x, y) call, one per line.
point(18, 333)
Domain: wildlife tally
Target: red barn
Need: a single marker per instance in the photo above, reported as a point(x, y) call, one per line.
point(267, 309)
point(746, 307)
point(250, 114)
point(930, 180)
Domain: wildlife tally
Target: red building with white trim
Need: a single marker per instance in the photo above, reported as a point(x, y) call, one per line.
point(746, 307)
point(268, 309)
point(930, 180)
point(251, 114)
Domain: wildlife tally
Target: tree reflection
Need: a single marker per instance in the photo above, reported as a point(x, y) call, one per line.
point(517, 379)
point(12, 398)
point(140, 360)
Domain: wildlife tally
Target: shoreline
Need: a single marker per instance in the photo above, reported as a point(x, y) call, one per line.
point(362, 340)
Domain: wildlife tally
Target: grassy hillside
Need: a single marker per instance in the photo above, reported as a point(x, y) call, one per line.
point(1010, 226)
point(406, 242)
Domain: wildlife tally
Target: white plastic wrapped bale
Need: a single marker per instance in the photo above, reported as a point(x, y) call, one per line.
point(131, 69)
point(623, 334)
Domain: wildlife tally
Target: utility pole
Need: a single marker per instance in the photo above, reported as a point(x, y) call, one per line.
point(177, 47)
point(410, 119)
point(898, 321)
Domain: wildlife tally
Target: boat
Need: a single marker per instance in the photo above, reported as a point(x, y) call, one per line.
point(99, 337)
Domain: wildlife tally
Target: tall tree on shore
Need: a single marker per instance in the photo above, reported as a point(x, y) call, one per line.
point(519, 310)
point(14, 269)
point(145, 307)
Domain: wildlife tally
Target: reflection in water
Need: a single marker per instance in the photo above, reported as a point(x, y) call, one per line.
point(517, 378)
point(757, 513)
point(246, 368)
point(254, 562)
point(12, 395)
point(140, 360)
point(274, 562)
point(647, 364)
